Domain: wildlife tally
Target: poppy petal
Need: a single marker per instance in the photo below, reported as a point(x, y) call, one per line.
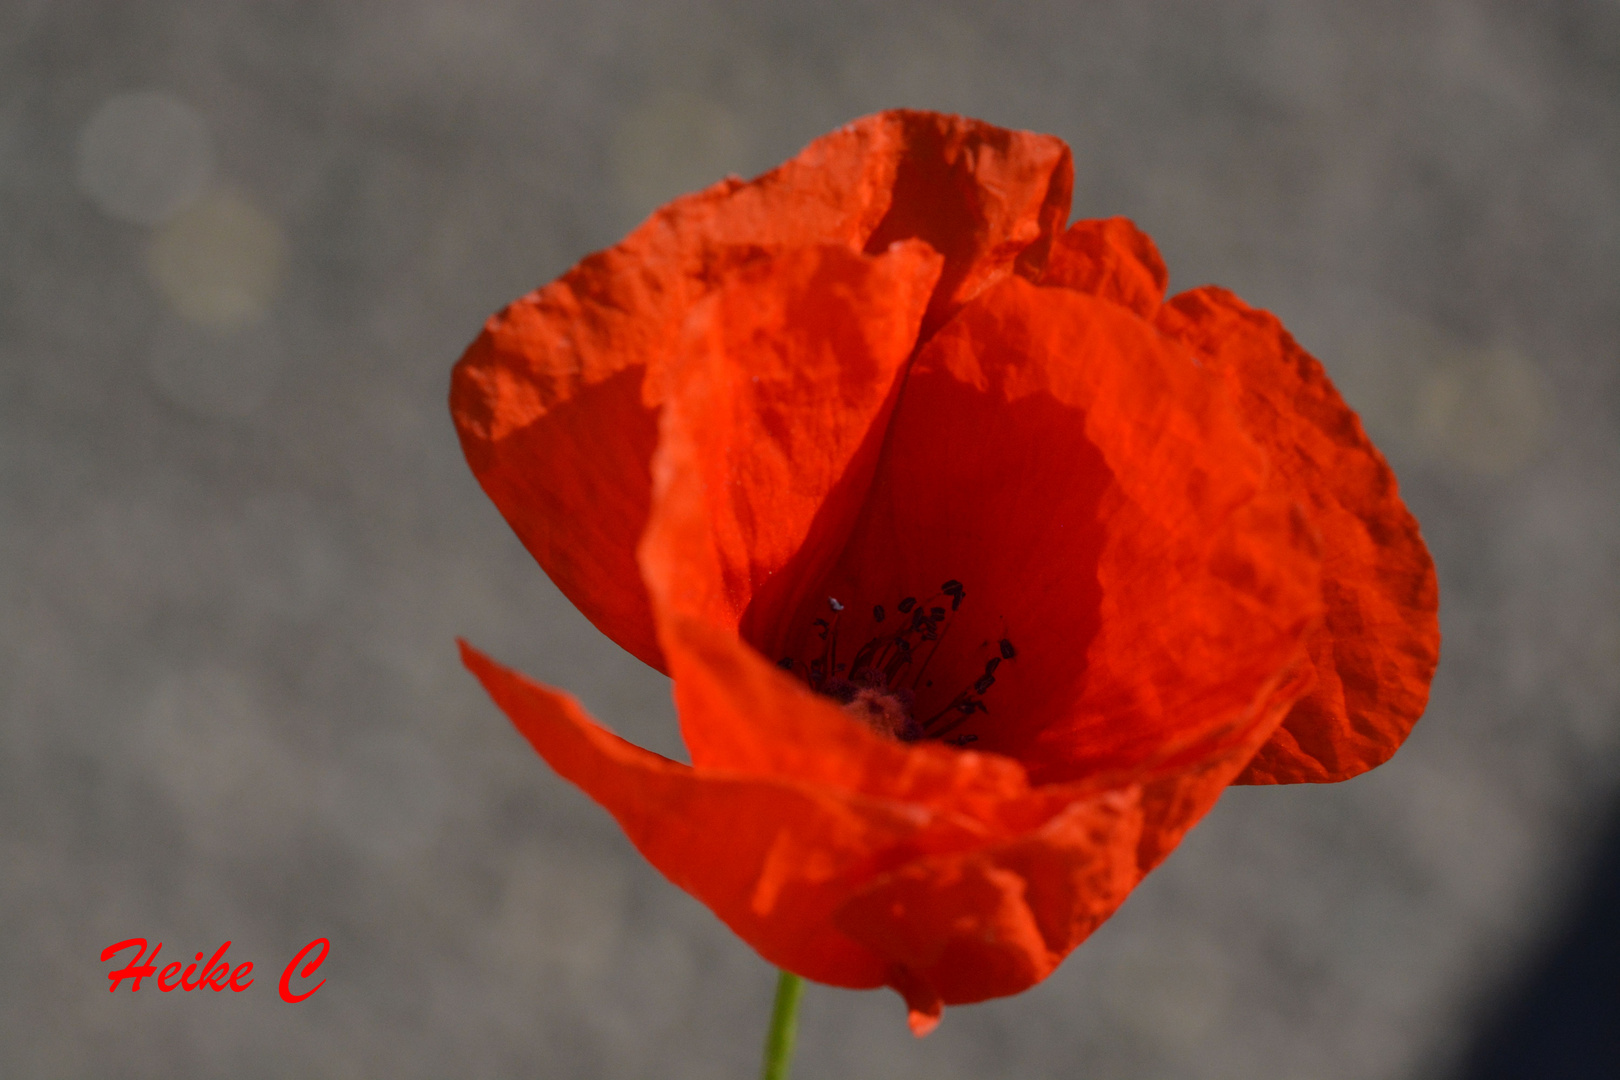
point(749, 717)
point(1094, 492)
point(1179, 793)
point(989, 199)
point(777, 404)
point(795, 852)
point(1109, 258)
point(964, 927)
point(961, 927)
point(556, 401)
point(1056, 860)
point(790, 851)
point(1376, 652)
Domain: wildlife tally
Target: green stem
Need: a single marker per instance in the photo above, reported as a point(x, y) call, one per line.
point(784, 1026)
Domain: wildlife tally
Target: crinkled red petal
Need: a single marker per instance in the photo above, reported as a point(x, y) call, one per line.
point(1109, 258)
point(1095, 493)
point(784, 382)
point(556, 401)
point(799, 866)
point(1376, 651)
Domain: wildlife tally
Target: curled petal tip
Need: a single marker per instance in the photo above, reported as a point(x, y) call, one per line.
point(923, 1020)
point(924, 1004)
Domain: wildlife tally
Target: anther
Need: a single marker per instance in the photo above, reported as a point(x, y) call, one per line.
point(868, 685)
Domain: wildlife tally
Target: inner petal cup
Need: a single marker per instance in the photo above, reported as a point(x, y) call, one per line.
point(1049, 446)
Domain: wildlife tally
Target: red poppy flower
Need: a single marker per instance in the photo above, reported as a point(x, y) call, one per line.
point(980, 569)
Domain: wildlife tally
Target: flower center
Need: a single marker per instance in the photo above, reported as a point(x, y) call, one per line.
point(880, 684)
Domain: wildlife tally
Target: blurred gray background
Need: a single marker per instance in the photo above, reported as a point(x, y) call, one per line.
point(241, 245)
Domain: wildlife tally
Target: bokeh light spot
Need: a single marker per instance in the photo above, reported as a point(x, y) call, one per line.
point(143, 157)
point(1485, 411)
point(219, 263)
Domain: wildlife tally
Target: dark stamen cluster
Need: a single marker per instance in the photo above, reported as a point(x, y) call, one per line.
point(880, 683)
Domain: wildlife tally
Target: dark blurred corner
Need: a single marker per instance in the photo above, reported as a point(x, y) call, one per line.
point(1561, 1021)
